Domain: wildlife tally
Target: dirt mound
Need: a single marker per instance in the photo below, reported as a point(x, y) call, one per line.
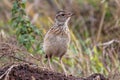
point(24, 67)
point(32, 72)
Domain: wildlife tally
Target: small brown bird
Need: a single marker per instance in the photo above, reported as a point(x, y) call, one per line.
point(57, 39)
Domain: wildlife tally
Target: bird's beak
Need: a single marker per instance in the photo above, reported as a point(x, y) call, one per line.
point(70, 14)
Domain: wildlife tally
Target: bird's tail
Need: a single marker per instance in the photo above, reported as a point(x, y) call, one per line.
point(46, 56)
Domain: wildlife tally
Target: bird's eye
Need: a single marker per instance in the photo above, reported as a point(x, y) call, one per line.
point(63, 14)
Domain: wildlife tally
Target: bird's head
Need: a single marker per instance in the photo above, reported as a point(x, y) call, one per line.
point(63, 16)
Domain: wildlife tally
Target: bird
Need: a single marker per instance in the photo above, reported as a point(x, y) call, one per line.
point(57, 39)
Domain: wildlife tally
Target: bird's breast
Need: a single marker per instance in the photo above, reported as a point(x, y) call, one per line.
point(58, 36)
point(62, 35)
point(56, 41)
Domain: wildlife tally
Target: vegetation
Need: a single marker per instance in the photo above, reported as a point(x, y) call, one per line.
point(95, 24)
point(24, 30)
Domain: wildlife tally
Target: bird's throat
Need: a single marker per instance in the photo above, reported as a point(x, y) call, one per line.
point(61, 24)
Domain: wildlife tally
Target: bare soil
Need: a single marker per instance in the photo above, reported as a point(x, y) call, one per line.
point(32, 72)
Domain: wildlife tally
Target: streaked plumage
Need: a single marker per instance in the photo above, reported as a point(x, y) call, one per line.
point(57, 39)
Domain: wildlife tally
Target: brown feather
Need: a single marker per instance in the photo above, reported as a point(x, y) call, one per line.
point(56, 42)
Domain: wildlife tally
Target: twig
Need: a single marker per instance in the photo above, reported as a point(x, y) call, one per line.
point(101, 25)
point(108, 43)
point(21, 59)
point(7, 73)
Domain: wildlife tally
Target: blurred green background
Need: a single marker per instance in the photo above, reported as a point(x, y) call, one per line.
point(94, 22)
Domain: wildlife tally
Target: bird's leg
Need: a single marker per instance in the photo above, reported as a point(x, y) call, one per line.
point(49, 62)
point(63, 67)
